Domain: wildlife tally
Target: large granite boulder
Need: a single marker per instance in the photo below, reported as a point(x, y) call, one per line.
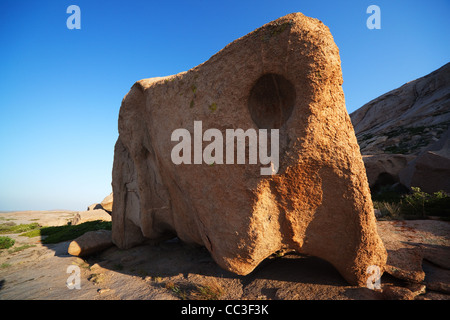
point(282, 86)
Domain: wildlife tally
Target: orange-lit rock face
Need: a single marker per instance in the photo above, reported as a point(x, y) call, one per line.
point(284, 76)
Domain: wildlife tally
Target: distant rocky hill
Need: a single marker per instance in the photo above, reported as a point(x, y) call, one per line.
point(404, 134)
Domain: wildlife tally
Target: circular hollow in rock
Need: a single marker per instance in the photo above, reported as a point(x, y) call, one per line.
point(271, 101)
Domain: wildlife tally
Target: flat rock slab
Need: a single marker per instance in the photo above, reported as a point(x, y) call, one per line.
point(408, 242)
point(436, 279)
point(40, 272)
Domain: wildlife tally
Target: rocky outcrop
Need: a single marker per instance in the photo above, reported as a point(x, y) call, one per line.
point(430, 170)
point(94, 206)
point(406, 129)
point(408, 119)
point(284, 79)
point(90, 215)
point(418, 252)
point(384, 169)
point(107, 203)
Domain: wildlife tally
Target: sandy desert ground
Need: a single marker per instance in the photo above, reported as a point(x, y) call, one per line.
point(418, 249)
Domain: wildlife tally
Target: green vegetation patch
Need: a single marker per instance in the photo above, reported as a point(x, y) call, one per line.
point(20, 248)
point(400, 149)
point(67, 232)
point(422, 204)
point(367, 136)
point(415, 205)
point(213, 107)
point(6, 242)
point(274, 30)
point(208, 292)
point(11, 227)
point(211, 290)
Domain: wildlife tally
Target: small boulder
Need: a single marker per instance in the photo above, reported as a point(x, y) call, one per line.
point(90, 242)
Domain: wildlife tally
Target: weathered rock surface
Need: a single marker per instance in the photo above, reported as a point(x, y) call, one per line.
point(90, 242)
point(285, 75)
point(437, 279)
point(430, 170)
point(411, 124)
point(107, 203)
point(384, 169)
point(408, 243)
point(409, 118)
point(391, 292)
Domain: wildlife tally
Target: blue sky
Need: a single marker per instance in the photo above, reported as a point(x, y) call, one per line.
point(61, 89)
